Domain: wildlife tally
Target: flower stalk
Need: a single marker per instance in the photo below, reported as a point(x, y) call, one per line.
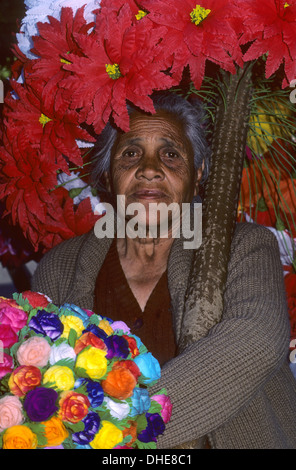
point(204, 298)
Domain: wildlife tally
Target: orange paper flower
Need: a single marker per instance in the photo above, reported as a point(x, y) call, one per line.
point(130, 431)
point(120, 383)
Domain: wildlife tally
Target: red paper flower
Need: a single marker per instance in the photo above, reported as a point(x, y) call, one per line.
point(46, 121)
point(26, 176)
point(196, 33)
point(137, 12)
point(53, 45)
point(64, 220)
point(271, 24)
point(118, 65)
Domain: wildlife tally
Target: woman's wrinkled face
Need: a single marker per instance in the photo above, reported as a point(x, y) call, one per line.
point(153, 162)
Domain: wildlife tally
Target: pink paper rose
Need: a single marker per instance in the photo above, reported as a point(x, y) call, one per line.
point(6, 364)
point(166, 406)
point(12, 315)
point(8, 337)
point(10, 412)
point(10, 302)
point(34, 352)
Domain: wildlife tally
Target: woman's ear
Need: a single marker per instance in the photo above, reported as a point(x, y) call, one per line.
point(198, 175)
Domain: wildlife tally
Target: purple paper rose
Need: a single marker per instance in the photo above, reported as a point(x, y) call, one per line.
point(117, 347)
point(47, 324)
point(40, 404)
point(155, 426)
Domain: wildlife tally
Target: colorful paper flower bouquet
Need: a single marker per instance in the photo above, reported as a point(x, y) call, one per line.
point(72, 379)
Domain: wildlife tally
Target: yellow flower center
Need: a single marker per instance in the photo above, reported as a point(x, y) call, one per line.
point(64, 61)
point(286, 5)
point(198, 14)
point(44, 119)
point(141, 14)
point(113, 71)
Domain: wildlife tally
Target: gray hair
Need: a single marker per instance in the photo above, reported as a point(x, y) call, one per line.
point(191, 116)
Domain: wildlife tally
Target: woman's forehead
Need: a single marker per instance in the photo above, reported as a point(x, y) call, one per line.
point(162, 126)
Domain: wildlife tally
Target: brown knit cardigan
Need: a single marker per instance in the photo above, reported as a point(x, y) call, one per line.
point(234, 385)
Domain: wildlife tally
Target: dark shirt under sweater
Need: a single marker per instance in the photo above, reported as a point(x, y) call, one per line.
point(114, 299)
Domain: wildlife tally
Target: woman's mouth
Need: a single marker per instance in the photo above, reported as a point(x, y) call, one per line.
point(148, 194)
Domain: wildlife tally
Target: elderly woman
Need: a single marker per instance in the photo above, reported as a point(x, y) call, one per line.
point(237, 400)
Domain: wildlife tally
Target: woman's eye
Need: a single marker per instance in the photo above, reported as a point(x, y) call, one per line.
point(130, 153)
point(171, 155)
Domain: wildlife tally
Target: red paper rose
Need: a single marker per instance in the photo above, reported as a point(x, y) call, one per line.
point(36, 299)
point(23, 379)
point(73, 406)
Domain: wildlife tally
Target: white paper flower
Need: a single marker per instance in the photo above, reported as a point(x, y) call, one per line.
point(117, 410)
point(73, 181)
point(62, 351)
point(285, 243)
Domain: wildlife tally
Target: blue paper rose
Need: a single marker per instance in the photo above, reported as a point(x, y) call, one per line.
point(149, 368)
point(140, 401)
point(96, 331)
point(77, 311)
point(92, 422)
point(91, 426)
point(95, 393)
point(47, 324)
point(138, 341)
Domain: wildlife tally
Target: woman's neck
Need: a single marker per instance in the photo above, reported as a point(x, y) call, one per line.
point(145, 251)
point(143, 262)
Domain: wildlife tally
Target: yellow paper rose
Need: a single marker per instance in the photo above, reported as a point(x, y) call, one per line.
point(107, 437)
point(94, 362)
point(105, 326)
point(19, 437)
point(61, 376)
point(71, 322)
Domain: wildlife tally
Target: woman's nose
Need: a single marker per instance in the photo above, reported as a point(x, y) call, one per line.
point(150, 168)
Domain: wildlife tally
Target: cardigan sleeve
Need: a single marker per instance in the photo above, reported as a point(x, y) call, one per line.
point(214, 378)
point(55, 271)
